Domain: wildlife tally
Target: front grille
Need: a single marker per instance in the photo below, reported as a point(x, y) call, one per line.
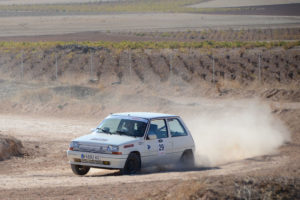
point(92, 148)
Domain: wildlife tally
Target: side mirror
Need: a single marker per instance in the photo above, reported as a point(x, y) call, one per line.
point(152, 137)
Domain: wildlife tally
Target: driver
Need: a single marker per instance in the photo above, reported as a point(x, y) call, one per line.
point(140, 127)
point(128, 127)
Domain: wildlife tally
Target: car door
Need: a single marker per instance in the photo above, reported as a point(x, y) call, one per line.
point(158, 145)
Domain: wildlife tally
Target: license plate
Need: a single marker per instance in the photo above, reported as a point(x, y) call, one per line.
point(90, 157)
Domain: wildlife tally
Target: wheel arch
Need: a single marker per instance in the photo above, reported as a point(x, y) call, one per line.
point(132, 153)
point(135, 152)
point(188, 158)
point(139, 155)
point(187, 151)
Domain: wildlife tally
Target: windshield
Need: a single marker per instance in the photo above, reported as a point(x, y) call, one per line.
point(119, 126)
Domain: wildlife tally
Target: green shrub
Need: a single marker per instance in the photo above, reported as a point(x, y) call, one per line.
point(36, 46)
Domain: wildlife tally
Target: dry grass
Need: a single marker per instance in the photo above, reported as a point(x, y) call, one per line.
point(10, 146)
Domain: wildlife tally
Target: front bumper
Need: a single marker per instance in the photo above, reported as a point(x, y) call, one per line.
point(107, 161)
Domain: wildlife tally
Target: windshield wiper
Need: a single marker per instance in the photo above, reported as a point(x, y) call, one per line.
point(104, 130)
point(121, 132)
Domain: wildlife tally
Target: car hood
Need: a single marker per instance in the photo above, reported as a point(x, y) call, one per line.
point(103, 138)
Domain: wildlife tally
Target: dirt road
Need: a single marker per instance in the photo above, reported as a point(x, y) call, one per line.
point(50, 25)
point(45, 173)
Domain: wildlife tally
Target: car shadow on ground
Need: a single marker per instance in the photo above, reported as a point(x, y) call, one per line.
point(156, 170)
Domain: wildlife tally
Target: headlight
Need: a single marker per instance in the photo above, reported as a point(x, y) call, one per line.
point(112, 148)
point(73, 146)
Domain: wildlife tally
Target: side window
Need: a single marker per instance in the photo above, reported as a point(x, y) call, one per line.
point(176, 128)
point(158, 127)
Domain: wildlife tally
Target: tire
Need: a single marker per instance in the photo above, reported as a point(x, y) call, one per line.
point(187, 159)
point(80, 170)
point(132, 165)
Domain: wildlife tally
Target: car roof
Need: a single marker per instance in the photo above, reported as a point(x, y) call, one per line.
point(145, 115)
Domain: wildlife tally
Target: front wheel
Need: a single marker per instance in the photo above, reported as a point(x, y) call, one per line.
point(132, 165)
point(80, 170)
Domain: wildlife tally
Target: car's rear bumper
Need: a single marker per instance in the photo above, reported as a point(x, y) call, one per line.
point(107, 161)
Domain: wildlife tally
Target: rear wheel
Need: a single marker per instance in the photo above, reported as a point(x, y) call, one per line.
point(187, 159)
point(80, 170)
point(132, 165)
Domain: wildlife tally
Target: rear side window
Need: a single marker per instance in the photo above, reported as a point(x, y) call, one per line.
point(176, 128)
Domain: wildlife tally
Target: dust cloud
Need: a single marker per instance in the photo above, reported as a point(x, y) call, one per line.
point(235, 130)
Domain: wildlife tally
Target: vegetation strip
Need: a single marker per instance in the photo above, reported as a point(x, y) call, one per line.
point(149, 44)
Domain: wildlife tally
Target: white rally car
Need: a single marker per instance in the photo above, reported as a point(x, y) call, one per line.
point(128, 141)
